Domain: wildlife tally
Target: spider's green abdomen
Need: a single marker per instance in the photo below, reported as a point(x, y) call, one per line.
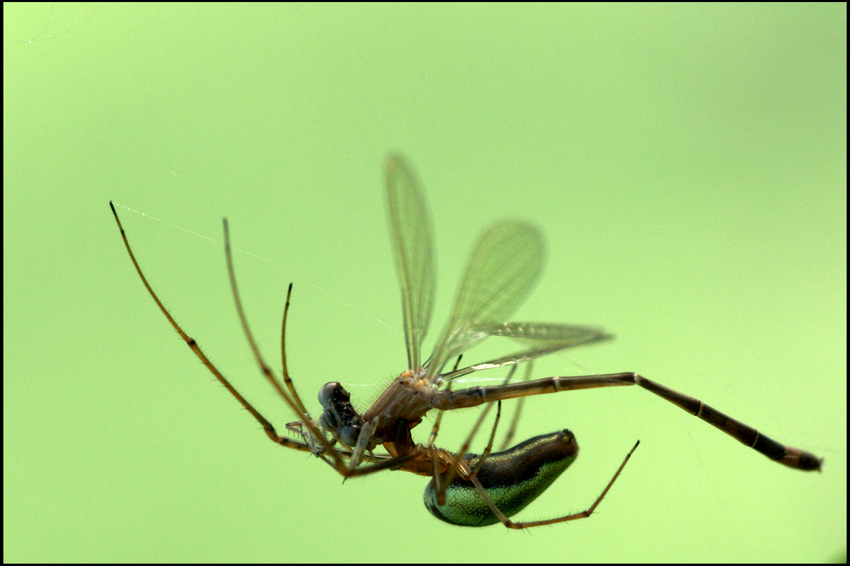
point(512, 479)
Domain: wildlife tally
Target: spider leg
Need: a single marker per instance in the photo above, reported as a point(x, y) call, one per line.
point(336, 457)
point(268, 428)
point(582, 515)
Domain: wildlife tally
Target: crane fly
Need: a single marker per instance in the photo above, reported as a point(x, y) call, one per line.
point(465, 489)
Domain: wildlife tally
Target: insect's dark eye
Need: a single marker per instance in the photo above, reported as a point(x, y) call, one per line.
point(327, 392)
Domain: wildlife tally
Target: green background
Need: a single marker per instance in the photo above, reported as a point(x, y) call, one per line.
point(686, 163)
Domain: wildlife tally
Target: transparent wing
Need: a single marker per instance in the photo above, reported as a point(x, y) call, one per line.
point(505, 263)
point(410, 236)
point(542, 339)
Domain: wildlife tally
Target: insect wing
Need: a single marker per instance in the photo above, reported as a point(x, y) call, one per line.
point(410, 234)
point(503, 268)
point(542, 339)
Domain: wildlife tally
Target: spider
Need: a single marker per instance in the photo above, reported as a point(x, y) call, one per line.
point(465, 489)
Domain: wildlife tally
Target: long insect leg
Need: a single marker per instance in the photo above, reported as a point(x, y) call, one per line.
point(453, 470)
point(509, 435)
point(786, 455)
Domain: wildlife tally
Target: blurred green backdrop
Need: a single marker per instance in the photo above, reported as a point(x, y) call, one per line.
point(686, 162)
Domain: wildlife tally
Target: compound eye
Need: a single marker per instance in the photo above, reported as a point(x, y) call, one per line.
point(328, 392)
point(349, 435)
